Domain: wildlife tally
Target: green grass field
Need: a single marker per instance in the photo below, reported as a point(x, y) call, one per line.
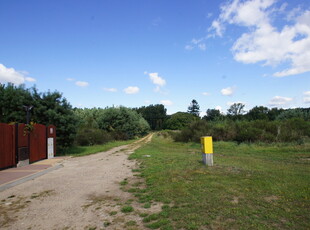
point(249, 187)
point(78, 151)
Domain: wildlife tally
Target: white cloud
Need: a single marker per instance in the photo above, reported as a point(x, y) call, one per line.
point(307, 93)
point(219, 108)
point(112, 90)
point(218, 27)
point(30, 79)
point(263, 42)
point(12, 76)
point(202, 46)
point(227, 91)
point(199, 43)
point(132, 90)
point(209, 15)
point(205, 93)
point(82, 83)
point(157, 80)
point(280, 101)
point(166, 102)
point(189, 47)
point(307, 97)
point(70, 79)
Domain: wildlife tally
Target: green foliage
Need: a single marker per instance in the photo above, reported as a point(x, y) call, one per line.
point(98, 126)
point(193, 132)
point(155, 115)
point(179, 120)
point(92, 136)
point(213, 115)
point(291, 130)
point(48, 108)
point(123, 122)
point(12, 99)
point(194, 108)
point(295, 113)
point(127, 209)
point(236, 109)
point(258, 113)
point(52, 108)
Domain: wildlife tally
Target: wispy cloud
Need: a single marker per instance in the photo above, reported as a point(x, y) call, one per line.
point(82, 83)
point(197, 43)
point(206, 94)
point(307, 97)
point(10, 75)
point(263, 42)
point(132, 90)
point(70, 79)
point(112, 90)
point(30, 79)
point(280, 101)
point(166, 102)
point(228, 91)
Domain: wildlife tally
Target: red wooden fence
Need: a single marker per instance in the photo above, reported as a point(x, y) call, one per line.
point(38, 146)
point(7, 145)
point(18, 146)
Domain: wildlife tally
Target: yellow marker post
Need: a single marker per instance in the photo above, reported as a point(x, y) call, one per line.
point(207, 150)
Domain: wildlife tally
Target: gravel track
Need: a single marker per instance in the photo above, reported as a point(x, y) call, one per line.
point(84, 194)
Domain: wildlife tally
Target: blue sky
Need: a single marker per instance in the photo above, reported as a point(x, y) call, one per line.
point(102, 53)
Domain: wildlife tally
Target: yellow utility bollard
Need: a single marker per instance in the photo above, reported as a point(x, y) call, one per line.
point(207, 150)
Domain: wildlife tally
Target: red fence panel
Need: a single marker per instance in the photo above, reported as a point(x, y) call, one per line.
point(7, 145)
point(38, 143)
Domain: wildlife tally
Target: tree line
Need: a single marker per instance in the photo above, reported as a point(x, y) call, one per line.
point(99, 125)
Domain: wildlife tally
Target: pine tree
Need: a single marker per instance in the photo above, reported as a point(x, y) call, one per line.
point(194, 108)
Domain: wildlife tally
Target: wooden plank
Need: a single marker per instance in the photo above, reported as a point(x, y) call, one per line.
point(38, 143)
point(7, 146)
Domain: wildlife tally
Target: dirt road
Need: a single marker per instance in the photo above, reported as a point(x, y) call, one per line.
point(84, 194)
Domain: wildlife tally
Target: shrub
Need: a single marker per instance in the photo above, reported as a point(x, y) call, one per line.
point(291, 130)
point(193, 132)
point(92, 136)
point(123, 123)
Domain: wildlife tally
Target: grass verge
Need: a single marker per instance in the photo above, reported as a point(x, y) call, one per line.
point(249, 187)
point(78, 151)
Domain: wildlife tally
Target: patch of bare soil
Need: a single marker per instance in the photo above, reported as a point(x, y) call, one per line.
point(85, 194)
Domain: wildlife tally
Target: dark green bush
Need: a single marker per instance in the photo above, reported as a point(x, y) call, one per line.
point(193, 132)
point(92, 136)
point(290, 130)
point(246, 132)
point(223, 131)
